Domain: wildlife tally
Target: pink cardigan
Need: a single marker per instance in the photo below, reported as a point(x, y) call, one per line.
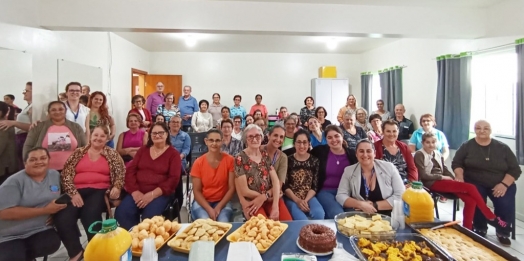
point(406, 153)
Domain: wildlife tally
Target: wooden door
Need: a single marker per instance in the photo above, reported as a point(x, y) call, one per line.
point(172, 83)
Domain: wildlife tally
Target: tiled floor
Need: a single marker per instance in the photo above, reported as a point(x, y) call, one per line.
point(445, 209)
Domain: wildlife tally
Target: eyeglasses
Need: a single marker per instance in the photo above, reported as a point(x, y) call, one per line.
point(25, 91)
point(214, 141)
point(160, 86)
point(302, 142)
point(238, 121)
point(74, 91)
point(159, 133)
point(216, 97)
point(139, 102)
point(253, 137)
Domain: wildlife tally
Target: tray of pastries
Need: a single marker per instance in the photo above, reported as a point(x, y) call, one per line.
point(199, 230)
point(462, 243)
point(157, 227)
point(402, 247)
point(260, 231)
point(374, 226)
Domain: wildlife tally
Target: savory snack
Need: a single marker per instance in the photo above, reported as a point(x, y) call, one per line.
point(199, 230)
point(460, 246)
point(259, 230)
point(156, 227)
point(395, 250)
point(360, 226)
point(317, 238)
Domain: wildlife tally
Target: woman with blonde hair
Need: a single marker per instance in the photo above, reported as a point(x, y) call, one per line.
point(351, 106)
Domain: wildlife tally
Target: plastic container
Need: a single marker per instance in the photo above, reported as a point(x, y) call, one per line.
point(348, 232)
point(418, 204)
point(112, 243)
point(398, 220)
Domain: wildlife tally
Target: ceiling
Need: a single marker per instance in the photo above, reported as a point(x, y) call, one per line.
point(175, 42)
point(419, 3)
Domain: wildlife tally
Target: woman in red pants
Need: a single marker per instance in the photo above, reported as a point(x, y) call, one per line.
point(437, 177)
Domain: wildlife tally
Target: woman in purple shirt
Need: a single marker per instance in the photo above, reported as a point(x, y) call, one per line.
point(334, 158)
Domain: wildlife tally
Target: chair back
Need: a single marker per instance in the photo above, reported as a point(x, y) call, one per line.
point(197, 142)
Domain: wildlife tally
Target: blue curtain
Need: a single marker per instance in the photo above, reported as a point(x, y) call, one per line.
point(391, 87)
point(453, 108)
point(519, 134)
point(366, 81)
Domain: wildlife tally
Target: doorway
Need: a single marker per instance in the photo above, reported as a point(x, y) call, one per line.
point(144, 84)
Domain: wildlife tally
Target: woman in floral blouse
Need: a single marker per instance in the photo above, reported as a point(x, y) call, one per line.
point(307, 111)
point(256, 180)
point(89, 174)
point(302, 181)
point(168, 109)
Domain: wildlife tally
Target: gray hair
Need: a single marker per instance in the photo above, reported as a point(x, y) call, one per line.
point(291, 118)
point(361, 109)
point(349, 113)
point(247, 129)
point(190, 89)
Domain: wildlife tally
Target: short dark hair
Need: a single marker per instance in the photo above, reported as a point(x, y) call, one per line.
point(150, 138)
point(73, 83)
point(12, 97)
point(225, 108)
point(249, 115)
point(84, 99)
point(55, 102)
point(237, 117)
point(374, 116)
point(380, 100)
point(257, 110)
point(301, 132)
point(213, 130)
point(156, 116)
point(227, 121)
point(258, 95)
point(237, 96)
point(26, 156)
point(276, 126)
point(217, 94)
point(365, 141)
point(309, 97)
point(4, 107)
point(138, 96)
point(29, 83)
point(320, 108)
point(389, 122)
point(203, 101)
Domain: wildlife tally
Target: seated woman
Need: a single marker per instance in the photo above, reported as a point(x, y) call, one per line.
point(151, 179)
point(202, 120)
point(362, 120)
point(376, 133)
point(129, 142)
point(333, 159)
point(179, 139)
point(160, 118)
point(492, 167)
point(262, 123)
point(278, 158)
point(225, 112)
point(370, 185)
point(392, 150)
point(352, 133)
point(249, 119)
point(230, 145)
point(168, 109)
point(57, 134)
point(302, 181)
point(257, 114)
point(237, 128)
point(321, 115)
point(256, 180)
point(317, 136)
point(435, 175)
point(28, 201)
point(290, 125)
point(427, 124)
point(138, 107)
point(213, 181)
point(89, 174)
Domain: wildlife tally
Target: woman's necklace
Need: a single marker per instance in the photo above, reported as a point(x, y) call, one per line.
point(482, 151)
point(336, 157)
point(158, 152)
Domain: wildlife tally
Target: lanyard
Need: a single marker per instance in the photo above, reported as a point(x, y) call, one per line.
point(74, 114)
point(366, 187)
point(275, 158)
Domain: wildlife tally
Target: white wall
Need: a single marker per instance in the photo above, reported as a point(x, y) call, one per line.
point(283, 79)
point(16, 70)
point(89, 48)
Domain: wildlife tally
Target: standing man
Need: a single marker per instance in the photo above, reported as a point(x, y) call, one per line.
point(187, 105)
point(155, 99)
point(405, 126)
point(86, 90)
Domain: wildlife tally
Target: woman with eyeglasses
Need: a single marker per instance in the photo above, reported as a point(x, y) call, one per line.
point(138, 108)
point(261, 122)
point(375, 134)
point(321, 115)
point(237, 128)
point(307, 111)
point(216, 109)
point(317, 136)
point(168, 109)
point(427, 125)
point(370, 185)
point(179, 139)
point(58, 135)
point(302, 181)
point(225, 114)
point(75, 111)
point(151, 179)
point(362, 120)
point(290, 125)
point(238, 110)
point(256, 181)
point(384, 115)
point(352, 133)
point(230, 144)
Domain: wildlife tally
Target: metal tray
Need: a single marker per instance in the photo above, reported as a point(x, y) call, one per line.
point(486, 243)
point(443, 255)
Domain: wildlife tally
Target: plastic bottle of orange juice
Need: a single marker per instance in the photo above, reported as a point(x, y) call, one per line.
point(418, 204)
point(112, 243)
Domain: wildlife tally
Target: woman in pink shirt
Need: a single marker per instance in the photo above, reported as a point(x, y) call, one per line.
point(259, 106)
point(89, 174)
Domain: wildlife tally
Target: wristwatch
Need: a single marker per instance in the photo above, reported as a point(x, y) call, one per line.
point(375, 205)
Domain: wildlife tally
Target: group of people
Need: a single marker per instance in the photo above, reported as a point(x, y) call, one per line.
point(304, 167)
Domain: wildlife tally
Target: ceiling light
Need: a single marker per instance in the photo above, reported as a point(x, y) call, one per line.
point(190, 40)
point(332, 44)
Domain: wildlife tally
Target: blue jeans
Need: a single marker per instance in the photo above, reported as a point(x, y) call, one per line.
point(326, 197)
point(128, 214)
point(198, 211)
point(111, 144)
point(316, 212)
point(504, 208)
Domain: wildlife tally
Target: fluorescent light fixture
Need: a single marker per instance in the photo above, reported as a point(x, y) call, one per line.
point(190, 40)
point(332, 43)
point(376, 35)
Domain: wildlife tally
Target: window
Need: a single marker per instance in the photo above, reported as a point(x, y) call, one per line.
point(494, 81)
point(375, 92)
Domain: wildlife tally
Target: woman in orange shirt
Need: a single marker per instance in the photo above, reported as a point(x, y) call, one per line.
point(213, 181)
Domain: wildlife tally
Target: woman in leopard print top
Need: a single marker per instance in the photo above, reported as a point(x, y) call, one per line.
point(302, 181)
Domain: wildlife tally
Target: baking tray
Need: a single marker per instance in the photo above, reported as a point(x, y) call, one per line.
point(439, 252)
point(261, 251)
point(486, 243)
point(187, 250)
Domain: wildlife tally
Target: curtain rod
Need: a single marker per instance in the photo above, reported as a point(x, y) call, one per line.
point(493, 48)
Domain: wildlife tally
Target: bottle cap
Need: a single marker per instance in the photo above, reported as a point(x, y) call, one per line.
point(109, 225)
point(416, 184)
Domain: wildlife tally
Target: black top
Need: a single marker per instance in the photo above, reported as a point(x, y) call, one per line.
point(374, 196)
point(397, 160)
point(351, 139)
point(486, 165)
point(405, 128)
point(325, 124)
